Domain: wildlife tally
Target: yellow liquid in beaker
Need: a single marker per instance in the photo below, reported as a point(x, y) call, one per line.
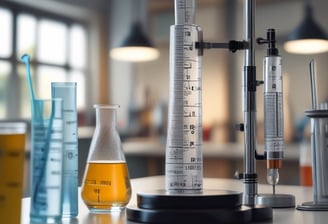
point(12, 152)
point(106, 185)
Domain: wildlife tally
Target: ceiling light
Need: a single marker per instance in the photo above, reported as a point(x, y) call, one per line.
point(308, 37)
point(136, 47)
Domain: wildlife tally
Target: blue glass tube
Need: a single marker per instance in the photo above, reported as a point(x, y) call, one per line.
point(46, 160)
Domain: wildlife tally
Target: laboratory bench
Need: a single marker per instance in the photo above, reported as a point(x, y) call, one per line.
point(281, 216)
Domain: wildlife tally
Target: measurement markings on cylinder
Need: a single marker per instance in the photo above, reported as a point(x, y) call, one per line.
point(184, 155)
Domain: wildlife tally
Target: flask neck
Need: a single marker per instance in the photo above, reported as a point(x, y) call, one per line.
point(106, 115)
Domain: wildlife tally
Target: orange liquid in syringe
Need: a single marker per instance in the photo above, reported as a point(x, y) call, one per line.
point(106, 185)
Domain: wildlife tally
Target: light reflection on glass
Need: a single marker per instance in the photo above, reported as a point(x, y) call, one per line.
point(101, 218)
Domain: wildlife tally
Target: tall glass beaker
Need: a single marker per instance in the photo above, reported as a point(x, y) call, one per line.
point(46, 160)
point(106, 183)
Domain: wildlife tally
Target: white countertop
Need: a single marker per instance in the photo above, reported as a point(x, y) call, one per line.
point(281, 216)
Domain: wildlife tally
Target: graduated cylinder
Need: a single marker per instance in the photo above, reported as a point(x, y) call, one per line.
point(184, 162)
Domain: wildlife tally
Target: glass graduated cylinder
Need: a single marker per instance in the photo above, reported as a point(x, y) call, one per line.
point(106, 183)
point(183, 158)
point(67, 92)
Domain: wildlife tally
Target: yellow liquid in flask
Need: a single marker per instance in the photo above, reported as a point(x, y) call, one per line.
point(106, 185)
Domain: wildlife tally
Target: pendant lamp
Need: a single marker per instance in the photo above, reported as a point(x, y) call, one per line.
point(136, 47)
point(307, 37)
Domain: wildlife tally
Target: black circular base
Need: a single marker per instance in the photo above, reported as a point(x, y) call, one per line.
point(208, 199)
point(311, 206)
point(208, 207)
point(261, 213)
point(190, 216)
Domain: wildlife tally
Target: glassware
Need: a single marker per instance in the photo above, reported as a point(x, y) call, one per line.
point(184, 155)
point(12, 154)
point(67, 92)
point(319, 139)
point(46, 160)
point(106, 183)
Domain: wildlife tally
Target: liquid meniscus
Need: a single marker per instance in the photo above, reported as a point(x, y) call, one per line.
point(106, 185)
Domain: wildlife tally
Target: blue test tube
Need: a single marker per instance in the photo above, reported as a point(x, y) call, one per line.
point(67, 92)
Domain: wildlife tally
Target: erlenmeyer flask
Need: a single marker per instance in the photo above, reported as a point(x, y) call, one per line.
point(106, 184)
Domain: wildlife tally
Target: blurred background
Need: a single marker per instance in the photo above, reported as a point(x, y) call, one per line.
point(71, 40)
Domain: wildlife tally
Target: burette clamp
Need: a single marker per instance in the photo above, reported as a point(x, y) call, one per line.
point(232, 45)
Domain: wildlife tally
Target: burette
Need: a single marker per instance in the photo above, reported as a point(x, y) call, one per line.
point(184, 161)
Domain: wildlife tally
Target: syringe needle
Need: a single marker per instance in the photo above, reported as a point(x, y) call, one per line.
point(273, 189)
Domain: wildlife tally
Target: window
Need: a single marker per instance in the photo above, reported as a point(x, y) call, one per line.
point(58, 50)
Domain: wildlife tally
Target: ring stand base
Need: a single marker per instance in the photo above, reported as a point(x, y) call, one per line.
point(276, 200)
point(311, 206)
point(210, 206)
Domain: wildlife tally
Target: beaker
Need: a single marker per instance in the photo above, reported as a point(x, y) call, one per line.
point(106, 183)
point(46, 160)
point(12, 154)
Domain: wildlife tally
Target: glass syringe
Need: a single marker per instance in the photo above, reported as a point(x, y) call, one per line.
point(273, 110)
point(184, 162)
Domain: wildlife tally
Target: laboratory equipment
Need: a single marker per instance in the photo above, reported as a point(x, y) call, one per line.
point(313, 80)
point(46, 160)
point(46, 155)
point(184, 193)
point(67, 92)
point(12, 154)
point(183, 173)
point(319, 139)
point(273, 110)
point(273, 122)
point(319, 148)
point(106, 183)
point(183, 160)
